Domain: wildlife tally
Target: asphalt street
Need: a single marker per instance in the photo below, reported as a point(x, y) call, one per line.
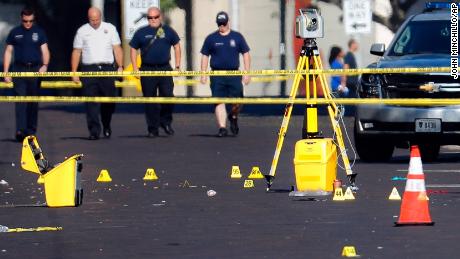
point(169, 219)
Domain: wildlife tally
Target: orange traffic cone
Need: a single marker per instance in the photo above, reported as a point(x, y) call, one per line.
point(414, 206)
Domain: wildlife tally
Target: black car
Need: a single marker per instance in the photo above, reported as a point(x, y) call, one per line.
point(423, 40)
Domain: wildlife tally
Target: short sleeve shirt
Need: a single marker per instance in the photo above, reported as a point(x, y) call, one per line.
point(224, 50)
point(335, 80)
point(27, 44)
point(159, 53)
point(351, 61)
point(96, 44)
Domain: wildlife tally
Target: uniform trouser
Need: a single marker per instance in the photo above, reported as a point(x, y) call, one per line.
point(157, 86)
point(26, 113)
point(98, 86)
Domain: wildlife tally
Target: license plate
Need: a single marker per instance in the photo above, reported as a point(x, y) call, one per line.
point(427, 125)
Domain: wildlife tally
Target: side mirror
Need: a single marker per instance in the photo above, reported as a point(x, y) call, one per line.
point(378, 49)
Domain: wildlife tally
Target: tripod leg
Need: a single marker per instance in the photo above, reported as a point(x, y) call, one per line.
point(343, 152)
point(285, 123)
point(332, 110)
point(324, 85)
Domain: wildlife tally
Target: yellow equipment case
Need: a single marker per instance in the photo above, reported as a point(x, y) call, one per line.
point(62, 182)
point(315, 163)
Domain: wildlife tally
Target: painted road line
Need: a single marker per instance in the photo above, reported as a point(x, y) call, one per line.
point(442, 185)
point(434, 170)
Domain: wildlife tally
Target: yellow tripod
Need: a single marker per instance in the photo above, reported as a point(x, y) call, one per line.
point(309, 59)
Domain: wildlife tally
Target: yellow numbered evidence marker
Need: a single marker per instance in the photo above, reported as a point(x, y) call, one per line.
point(236, 173)
point(248, 184)
point(255, 173)
point(150, 175)
point(338, 195)
point(104, 176)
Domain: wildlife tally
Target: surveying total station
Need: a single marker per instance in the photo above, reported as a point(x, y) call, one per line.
point(315, 158)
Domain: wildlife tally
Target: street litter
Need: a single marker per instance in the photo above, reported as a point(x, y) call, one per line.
point(211, 193)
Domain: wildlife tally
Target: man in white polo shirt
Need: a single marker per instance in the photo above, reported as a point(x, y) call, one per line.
point(97, 43)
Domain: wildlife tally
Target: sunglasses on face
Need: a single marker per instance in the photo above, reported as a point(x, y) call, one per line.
point(27, 21)
point(153, 17)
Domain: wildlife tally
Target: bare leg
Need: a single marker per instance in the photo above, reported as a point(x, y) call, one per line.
point(221, 115)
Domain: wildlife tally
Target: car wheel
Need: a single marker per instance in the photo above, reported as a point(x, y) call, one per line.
point(373, 149)
point(429, 152)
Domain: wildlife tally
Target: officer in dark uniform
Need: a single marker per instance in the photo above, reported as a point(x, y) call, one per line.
point(224, 46)
point(154, 42)
point(29, 45)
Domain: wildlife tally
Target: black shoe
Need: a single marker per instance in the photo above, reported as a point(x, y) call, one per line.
point(222, 132)
point(233, 124)
point(153, 134)
point(93, 137)
point(107, 132)
point(20, 136)
point(168, 129)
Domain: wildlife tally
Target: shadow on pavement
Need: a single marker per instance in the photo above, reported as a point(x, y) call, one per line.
point(210, 136)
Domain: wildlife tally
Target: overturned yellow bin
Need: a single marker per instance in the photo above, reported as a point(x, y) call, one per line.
point(315, 163)
point(62, 181)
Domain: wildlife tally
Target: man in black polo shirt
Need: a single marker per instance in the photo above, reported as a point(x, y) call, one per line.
point(29, 44)
point(154, 42)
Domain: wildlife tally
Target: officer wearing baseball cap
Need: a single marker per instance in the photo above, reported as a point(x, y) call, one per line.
point(222, 18)
point(224, 47)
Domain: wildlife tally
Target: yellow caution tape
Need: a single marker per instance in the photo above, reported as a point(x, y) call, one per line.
point(228, 72)
point(212, 100)
point(132, 83)
point(35, 229)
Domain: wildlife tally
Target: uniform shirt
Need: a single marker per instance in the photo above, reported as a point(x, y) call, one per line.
point(224, 50)
point(96, 44)
point(27, 43)
point(335, 80)
point(159, 53)
point(351, 61)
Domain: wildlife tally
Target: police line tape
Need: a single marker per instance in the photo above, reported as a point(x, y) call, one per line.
point(132, 84)
point(230, 72)
point(213, 100)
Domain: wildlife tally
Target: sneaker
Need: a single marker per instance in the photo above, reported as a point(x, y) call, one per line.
point(93, 137)
point(153, 134)
point(107, 132)
point(222, 132)
point(168, 129)
point(233, 124)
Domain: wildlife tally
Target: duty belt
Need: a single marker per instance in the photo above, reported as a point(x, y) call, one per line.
point(27, 64)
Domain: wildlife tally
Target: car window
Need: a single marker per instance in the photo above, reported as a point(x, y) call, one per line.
point(423, 37)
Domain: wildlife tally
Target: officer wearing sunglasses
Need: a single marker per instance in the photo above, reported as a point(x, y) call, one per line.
point(154, 42)
point(28, 45)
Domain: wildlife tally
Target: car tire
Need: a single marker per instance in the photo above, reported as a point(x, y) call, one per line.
point(429, 152)
point(373, 149)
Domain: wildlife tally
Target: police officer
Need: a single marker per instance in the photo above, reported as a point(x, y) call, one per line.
point(96, 43)
point(154, 42)
point(30, 46)
point(224, 47)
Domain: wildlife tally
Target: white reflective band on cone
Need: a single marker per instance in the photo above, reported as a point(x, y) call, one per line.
point(415, 166)
point(415, 185)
